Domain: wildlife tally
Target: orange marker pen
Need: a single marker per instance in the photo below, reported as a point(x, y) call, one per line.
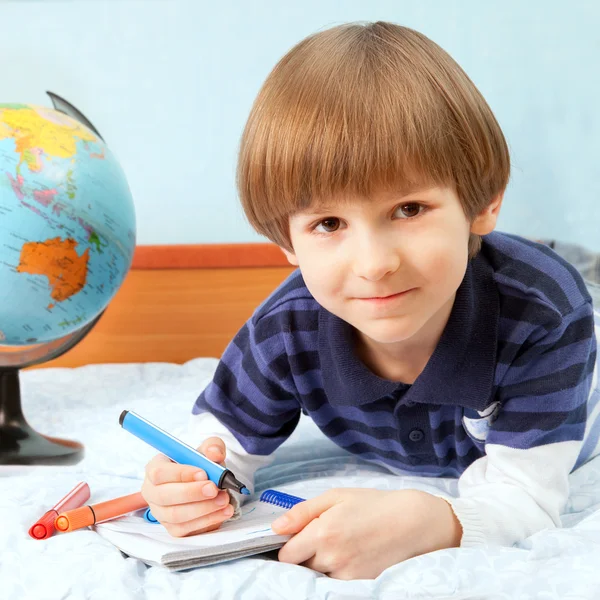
point(44, 527)
point(96, 513)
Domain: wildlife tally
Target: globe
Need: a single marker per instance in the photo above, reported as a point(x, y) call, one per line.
point(67, 236)
point(67, 225)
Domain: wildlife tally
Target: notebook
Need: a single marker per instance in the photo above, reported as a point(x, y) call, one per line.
point(249, 535)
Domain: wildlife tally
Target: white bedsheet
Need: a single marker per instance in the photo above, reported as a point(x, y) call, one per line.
point(85, 404)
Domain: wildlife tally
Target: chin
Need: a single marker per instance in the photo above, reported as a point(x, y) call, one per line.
point(386, 333)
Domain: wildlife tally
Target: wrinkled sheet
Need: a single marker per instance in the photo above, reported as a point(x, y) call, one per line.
point(85, 404)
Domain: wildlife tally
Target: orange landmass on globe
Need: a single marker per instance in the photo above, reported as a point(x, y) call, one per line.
point(57, 260)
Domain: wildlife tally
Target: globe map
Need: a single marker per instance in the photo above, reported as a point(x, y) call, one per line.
point(67, 225)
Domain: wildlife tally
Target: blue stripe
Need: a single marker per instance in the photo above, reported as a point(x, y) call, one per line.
point(327, 413)
point(462, 447)
point(565, 273)
point(517, 332)
point(570, 358)
point(266, 414)
point(535, 437)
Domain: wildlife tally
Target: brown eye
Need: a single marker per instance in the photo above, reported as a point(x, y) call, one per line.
point(329, 225)
point(408, 211)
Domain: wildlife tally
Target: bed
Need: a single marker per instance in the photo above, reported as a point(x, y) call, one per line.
point(152, 352)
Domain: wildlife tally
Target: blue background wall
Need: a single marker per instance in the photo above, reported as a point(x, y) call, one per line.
point(169, 85)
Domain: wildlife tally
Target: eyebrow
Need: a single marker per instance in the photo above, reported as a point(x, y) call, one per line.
point(319, 209)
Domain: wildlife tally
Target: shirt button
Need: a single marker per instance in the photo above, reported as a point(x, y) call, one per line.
point(416, 435)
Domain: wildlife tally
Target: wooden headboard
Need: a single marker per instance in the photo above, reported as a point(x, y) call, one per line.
point(180, 302)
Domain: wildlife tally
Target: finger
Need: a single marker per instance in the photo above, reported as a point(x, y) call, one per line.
point(184, 513)
point(162, 470)
point(214, 449)
point(178, 493)
point(201, 524)
point(298, 517)
point(302, 547)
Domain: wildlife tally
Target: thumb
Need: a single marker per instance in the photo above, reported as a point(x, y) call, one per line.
point(214, 449)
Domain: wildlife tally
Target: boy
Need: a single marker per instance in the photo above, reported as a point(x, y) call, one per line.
point(372, 160)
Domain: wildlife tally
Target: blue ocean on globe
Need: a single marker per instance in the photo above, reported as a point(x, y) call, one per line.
point(67, 225)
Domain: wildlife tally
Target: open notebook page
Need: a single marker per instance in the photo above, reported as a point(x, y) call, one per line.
point(151, 543)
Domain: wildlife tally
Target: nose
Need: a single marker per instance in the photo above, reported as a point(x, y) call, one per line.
point(375, 257)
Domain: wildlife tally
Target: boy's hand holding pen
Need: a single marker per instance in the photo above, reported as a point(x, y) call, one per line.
point(187, 496)
point(182, 497)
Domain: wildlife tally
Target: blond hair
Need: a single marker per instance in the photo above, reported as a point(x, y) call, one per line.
point(363, 107)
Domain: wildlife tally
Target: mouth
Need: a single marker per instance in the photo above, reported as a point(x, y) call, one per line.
point(387, 298)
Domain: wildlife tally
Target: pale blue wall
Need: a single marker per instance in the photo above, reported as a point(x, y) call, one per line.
point(169, 85)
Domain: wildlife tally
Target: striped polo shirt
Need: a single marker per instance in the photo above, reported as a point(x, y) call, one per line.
point(513, 366)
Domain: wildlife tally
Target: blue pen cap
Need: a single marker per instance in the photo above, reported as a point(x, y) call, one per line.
point(148, 516)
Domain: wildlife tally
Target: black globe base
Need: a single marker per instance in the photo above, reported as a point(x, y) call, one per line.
point(20, 444)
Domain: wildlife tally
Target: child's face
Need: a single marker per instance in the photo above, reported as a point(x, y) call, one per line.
point(391, 265)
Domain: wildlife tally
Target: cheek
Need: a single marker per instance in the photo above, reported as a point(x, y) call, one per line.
point(448, 263)
point(322, 274)
point(443, 261)
point(322, 283)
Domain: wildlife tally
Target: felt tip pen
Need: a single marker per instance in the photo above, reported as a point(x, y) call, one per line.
point(44, 527)
point(180, 452)
point(96, 513)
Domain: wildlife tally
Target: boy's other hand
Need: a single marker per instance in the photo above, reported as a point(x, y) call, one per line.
point(182, 498)
point(358, 533)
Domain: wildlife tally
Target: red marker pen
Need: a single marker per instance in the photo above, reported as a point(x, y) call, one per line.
point(44, 526)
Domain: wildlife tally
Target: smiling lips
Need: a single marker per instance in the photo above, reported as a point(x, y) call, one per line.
point(385, 299)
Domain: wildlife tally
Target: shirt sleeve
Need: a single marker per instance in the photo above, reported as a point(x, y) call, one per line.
point(252, 404)
point(521, 484)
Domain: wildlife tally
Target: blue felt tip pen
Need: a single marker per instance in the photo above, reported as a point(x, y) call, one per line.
point(179, 452)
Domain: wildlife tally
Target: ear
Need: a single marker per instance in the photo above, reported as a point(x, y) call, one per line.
point(485, 221)
point(290, 256)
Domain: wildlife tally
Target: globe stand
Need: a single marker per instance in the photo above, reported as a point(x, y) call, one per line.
point(20, 444)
